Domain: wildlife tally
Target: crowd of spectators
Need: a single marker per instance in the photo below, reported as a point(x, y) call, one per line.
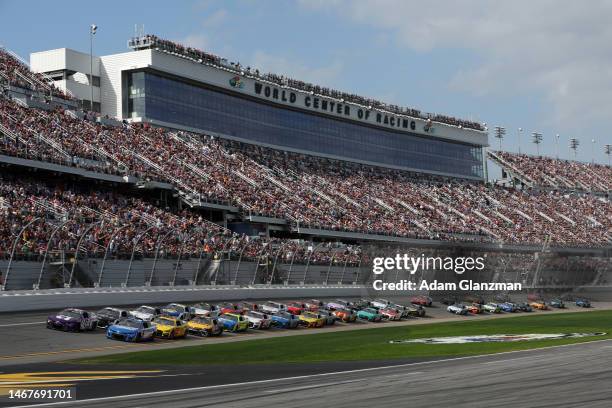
point(16, 73)
point(557, 173)
point(199, 56)
point(308, 191)
point(36, 217)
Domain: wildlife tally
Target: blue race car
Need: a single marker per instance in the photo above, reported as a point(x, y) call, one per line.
point(285, 320)
point(131, 329)
point(508, 307)
point(583, 302)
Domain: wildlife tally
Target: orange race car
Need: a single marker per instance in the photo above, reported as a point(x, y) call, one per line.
point(539, 305)
point(345, 315)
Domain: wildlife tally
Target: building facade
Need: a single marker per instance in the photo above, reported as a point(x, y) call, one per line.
point(166, 89)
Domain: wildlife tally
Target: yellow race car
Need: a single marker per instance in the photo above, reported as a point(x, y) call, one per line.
point(169, 327)
point(539, 305)
point(204, 326)
point(310, 319)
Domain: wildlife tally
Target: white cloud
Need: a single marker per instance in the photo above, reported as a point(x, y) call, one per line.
point(325, 75)
point(559, 49)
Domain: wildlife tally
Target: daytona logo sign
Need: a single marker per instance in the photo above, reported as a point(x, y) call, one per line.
point(495, 338)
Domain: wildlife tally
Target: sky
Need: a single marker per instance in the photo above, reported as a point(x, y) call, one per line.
point(540, 65)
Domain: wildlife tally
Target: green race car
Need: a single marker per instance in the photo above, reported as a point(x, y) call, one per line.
point(369, 314)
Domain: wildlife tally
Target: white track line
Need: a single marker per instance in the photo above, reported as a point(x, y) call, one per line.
point(21, 324)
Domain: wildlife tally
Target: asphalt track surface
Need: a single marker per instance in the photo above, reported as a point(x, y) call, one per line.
point(565, 376)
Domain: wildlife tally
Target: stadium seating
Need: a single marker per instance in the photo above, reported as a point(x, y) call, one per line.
point(547, 172)
point(307, 191)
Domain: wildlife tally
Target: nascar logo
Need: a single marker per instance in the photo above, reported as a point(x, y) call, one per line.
point(495, 338)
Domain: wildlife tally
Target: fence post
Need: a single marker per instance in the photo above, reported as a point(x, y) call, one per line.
point(10, 263)
point(76, 251)
point(129, 271)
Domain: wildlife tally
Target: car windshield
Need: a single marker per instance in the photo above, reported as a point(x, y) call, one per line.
point(370, 310)
point(69, 313)
point(145, 309)
point(229, 317)
point(284, 314)
point(256, 314)
point(108, 311)
point(202, 320)
point(164, 321)
point(129, 323)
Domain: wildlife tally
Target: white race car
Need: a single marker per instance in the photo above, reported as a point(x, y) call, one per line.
point(380, 303)
point(146, 313)
point(258, 320)
point(273, 307)
point(458, 309)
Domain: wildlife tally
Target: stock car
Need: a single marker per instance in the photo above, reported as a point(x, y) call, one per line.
point(296, 307)
point(204, 326)
point(246, 306)
point(177, 310)
point(144, 312)
point(285, 320)
point(539, 305)
point(72, 320)
point(345, 315)
point(380, 303)
point(329, 317)
point(311, 319)
point(415, 310)
point(474, 308)
point(557, 303)
point(582, 302)
point(273, 307)
point(169, 327)
point(491, 308)
point(203, 309)
point(258, 320)
point(508, 307)
point(110, 315)
point(338, 304)
point(458, 309)
point(389, 313)
point(421, 300)
point(227, 307)
point(524, 307)
point(370, 314)
point(233, 322)
point(313, 305)
point(131, 329)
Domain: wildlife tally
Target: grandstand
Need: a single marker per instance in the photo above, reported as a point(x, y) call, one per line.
point(137, 196)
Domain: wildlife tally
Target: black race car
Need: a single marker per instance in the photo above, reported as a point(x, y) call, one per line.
point(109, 315)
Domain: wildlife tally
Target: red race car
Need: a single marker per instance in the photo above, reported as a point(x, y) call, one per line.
point(229, 308)
point(296, 308)
point(421, 300)
point(313, 305)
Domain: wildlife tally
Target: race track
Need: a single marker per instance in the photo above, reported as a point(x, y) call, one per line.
point(564, 376)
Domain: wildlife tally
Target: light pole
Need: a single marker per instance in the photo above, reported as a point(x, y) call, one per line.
point(499, 133)
point(557, 145)
point(608, 151)
point(537, 139)
point(593, 151)
point(92, 31)
point(574, 143)
point(519, 133)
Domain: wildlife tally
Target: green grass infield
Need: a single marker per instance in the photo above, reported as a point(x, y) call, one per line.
point(373, 344)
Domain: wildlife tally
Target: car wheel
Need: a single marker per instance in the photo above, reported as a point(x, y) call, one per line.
point(136, 338)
